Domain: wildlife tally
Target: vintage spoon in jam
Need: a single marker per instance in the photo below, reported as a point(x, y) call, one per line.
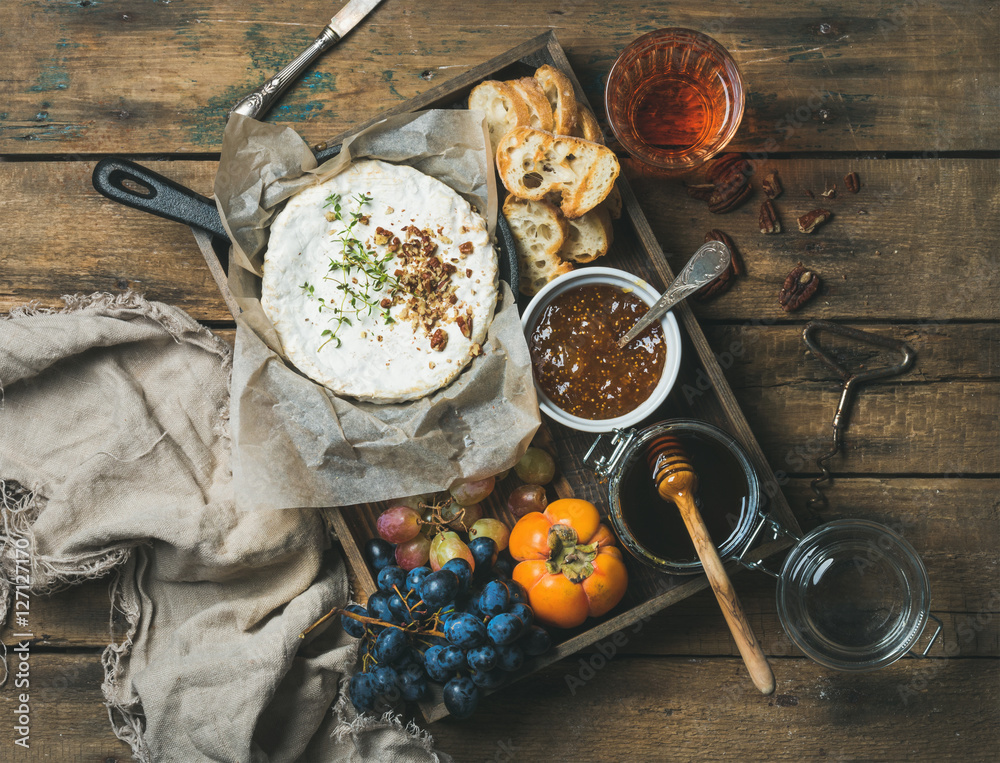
point(676, 481)
point(707, 264)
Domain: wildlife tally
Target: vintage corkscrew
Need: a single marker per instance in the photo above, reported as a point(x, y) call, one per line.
point(851, 382)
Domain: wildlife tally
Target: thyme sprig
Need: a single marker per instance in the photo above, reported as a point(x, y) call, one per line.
point(360, 274)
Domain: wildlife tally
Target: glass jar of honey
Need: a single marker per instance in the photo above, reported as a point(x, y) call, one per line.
point(852, 594)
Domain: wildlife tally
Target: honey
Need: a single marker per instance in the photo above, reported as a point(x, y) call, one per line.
point(576, 358)
point(722, 498)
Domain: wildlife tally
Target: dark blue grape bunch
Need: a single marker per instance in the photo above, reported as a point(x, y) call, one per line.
point(467, 631)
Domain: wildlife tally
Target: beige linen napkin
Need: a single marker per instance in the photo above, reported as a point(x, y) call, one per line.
point(115, 456)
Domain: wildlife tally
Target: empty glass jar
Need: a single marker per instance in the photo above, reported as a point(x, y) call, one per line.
point(852, 594)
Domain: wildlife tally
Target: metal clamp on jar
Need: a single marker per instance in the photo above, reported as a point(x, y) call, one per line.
point(852, 594)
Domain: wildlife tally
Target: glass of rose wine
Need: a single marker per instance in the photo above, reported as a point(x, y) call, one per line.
point(674, 98)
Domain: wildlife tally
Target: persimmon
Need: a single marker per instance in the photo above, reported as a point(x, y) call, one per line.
point(568, 563)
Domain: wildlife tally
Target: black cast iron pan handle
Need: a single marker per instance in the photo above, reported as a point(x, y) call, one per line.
point(138, 187)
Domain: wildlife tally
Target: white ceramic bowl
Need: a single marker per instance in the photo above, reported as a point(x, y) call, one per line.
point(671, 334)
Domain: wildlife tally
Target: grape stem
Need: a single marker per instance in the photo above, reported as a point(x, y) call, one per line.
point(367, 620)
point(437, 520)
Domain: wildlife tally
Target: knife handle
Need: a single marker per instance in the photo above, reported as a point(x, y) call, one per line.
point(257, 103)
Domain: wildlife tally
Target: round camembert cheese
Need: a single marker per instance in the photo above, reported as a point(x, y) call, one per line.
point(381, 282)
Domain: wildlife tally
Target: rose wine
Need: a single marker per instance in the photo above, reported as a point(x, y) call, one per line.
point(673, 113)
point(674, 98)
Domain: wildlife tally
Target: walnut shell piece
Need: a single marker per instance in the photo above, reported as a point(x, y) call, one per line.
point(768, 218)
point(729, 197)
point(799, 287)
point(439, 340)
point(465, 325)
point(771, 185)
point(701, 191)
point(810, 221)
point(726, 167)
point(731, 175)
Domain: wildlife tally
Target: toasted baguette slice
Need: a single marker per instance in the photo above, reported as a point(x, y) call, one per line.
point(587, 126)
point(589, 236)
point(504, 108)
point(533, 163)
point(539, 232)
point(541, 111)
point(559, 92)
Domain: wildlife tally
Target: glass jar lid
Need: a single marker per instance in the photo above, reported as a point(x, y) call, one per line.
point(853, 595)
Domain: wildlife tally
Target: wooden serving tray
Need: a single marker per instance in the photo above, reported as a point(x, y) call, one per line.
point(700, 392)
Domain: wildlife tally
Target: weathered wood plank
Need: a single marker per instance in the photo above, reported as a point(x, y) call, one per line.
point(62, 237)
point(947, 429)
point(916, 243)
point(950, 428)
point(810, 70)
point(696, 627)
point(908, 258)
point(68, 720)
point(703, 709)
point(765, 355)
point(682, 709)
point(941, 418)
point(951, 522)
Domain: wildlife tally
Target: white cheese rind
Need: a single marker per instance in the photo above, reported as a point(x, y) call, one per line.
point(375, 361)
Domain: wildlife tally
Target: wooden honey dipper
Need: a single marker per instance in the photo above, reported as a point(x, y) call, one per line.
point(676, 481)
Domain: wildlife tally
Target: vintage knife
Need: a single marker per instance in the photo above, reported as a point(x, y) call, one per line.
point(704, 267)
point(257, 103)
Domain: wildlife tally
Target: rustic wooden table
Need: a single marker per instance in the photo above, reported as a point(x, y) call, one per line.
point(904, 93)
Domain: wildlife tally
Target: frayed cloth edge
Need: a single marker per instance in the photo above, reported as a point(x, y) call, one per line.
point(19, 508)
point(128, 721)
point(389, 720)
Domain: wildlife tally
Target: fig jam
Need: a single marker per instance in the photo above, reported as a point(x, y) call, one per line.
point(656, 524)
point(576, 358)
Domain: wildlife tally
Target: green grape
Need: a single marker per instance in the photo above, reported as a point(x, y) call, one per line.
point(536, 467)
point(491, 528)
point(447, 546)
point(469, 493)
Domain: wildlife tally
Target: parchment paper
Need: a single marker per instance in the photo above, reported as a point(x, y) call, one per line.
point(295, 443)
